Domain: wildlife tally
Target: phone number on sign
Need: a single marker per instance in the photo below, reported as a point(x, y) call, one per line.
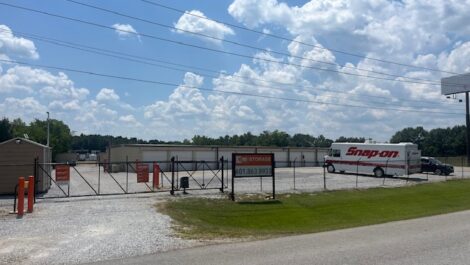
point(253, 171)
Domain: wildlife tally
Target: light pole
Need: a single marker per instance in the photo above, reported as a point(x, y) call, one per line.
point(48, 129)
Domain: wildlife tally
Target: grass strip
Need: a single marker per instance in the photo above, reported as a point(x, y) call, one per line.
point(313, 212)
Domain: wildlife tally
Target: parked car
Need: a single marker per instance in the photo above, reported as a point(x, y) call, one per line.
point(430, 164)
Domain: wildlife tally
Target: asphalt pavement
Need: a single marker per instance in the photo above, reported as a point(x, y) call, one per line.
point(442, 239)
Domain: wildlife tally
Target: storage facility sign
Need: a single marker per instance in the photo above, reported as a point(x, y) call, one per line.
point(62, 173)
point(252, 165)
point(142, 172)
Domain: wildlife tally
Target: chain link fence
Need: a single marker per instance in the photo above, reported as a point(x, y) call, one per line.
point(212, 177)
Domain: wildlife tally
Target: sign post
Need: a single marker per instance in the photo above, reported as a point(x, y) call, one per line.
point(457, 84)
point(252, 166)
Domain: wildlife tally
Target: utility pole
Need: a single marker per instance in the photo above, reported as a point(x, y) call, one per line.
point(467, 119)
point(48, 129)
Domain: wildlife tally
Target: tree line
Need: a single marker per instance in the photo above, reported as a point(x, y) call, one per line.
point(436, 142)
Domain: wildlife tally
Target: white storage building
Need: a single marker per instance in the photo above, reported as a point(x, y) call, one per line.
point(284, 156)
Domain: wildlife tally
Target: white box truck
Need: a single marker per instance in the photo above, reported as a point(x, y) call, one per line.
point(378, 159)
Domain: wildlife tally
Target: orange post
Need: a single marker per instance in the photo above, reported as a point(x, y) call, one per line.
point(30, 194)
point(156, 175)
point(20, 196)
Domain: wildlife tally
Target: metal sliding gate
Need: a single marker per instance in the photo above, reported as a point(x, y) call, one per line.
point(199, 175)
point(113, 178)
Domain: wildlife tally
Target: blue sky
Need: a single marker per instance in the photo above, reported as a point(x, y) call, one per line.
point(425, 34)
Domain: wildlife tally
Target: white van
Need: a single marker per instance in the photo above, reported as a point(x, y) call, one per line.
point(378, 159)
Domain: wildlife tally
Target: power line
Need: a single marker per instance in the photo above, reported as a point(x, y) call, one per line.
point(296, 41)
point(238, 43)
point(215, 50)
point(144, 60)
point(223, 91)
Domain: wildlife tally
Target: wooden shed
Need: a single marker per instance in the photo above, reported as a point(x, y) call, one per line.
point(17, 157)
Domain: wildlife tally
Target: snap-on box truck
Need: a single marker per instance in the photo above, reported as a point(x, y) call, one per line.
point(374, 158)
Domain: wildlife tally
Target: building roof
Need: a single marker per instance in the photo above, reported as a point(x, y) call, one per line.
point(213, 146)
point(24, 140)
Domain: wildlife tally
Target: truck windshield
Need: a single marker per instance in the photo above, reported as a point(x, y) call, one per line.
point(435, 161)
point(334, 152)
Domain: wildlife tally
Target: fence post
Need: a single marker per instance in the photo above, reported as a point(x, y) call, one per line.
point(385, 173)
point(461, 163)
point(30, 194)
point(408, 168)
point(324, 178)
point(222, 170)
point(357, 171)
point(172, 192)
point(203, 173)
point(68, 188)
point(20, 196)
point(99, 177)
point(127, 174)
point(36, 179)
point(274, 179)
point(294, 171)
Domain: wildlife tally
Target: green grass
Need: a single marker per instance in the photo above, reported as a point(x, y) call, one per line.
point(307, 213)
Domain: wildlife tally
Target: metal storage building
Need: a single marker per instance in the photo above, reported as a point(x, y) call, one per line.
point(284, 156)
point(17, 160)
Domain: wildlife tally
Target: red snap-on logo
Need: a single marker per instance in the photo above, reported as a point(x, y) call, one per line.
point(353, 151)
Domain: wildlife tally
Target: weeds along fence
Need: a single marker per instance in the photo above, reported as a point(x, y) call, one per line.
point(129, 177)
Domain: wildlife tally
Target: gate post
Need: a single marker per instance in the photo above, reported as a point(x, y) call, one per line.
point(20, 196)
point(222, 170)
point(172, 192)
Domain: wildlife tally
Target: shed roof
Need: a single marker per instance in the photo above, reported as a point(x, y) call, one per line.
point(24, 140)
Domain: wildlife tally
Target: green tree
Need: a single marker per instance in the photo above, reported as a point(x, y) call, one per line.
point(6, 131)
point(60, 136)
point(322, 141)
point(302, 140)
point(19, 128)
point(343, 139)
point(409, 134)
point(436, 142)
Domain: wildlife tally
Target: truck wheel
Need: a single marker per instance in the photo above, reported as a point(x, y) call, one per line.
point(437, 172)
point(378, 172)
point(330, 168)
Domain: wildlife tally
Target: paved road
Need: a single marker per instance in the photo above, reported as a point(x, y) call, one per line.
point(443, 239)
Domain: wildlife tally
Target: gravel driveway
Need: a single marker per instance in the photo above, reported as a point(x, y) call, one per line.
point(72, 231)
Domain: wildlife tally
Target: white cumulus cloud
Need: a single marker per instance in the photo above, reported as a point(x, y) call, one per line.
point(126, 31)
point(191, 23)
point(107, 94)
point(16, 46)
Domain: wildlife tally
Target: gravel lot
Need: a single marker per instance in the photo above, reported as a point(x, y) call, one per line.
point(73, 231)
point(85, 229)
